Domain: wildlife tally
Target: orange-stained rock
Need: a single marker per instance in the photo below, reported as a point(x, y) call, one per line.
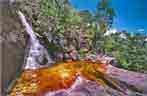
point(60, 76)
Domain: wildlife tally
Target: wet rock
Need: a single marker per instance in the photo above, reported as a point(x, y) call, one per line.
point(134, 80)
point(81, 87)
point(13, 40)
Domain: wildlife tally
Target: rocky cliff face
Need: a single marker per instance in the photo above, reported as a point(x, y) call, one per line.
point(13, 41)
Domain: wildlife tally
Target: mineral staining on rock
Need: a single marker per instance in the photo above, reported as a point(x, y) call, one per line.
point(58, 77)
point(88, 77)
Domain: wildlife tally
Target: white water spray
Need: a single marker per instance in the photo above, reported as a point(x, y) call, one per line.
point(37, 52)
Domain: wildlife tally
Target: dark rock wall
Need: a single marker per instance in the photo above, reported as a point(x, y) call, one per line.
point(13, 41)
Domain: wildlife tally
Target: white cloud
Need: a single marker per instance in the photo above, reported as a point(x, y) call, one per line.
point(140, 30)
point(110, 31)
point(145, 39)
point(122, 35)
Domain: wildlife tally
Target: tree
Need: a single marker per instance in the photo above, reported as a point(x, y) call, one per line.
point(130, 52)
point(103, 20)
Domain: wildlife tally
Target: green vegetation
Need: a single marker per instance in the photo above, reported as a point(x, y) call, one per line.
point(76, 28)
point(130, 51)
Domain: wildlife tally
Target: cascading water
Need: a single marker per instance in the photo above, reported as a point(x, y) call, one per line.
point(37, 53)
point(70, 78)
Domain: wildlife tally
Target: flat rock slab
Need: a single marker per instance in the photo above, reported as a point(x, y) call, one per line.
point(83, 87)
point(138, 80)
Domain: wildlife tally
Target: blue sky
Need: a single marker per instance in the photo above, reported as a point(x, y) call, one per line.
point(131, 15)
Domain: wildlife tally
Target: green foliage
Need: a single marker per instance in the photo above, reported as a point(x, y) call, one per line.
point(75, 23)
point(69, 24)
point(66, 19)
point(130, 52)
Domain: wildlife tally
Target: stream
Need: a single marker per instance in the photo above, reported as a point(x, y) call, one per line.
point(82, 86)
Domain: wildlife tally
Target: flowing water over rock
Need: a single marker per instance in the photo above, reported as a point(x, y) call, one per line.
point(37, 53)
point(81, 86)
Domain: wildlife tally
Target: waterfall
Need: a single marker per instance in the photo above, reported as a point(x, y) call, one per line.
point(29, 29)
point(37, 54)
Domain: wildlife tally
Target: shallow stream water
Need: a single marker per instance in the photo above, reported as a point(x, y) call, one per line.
point(14, 53)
